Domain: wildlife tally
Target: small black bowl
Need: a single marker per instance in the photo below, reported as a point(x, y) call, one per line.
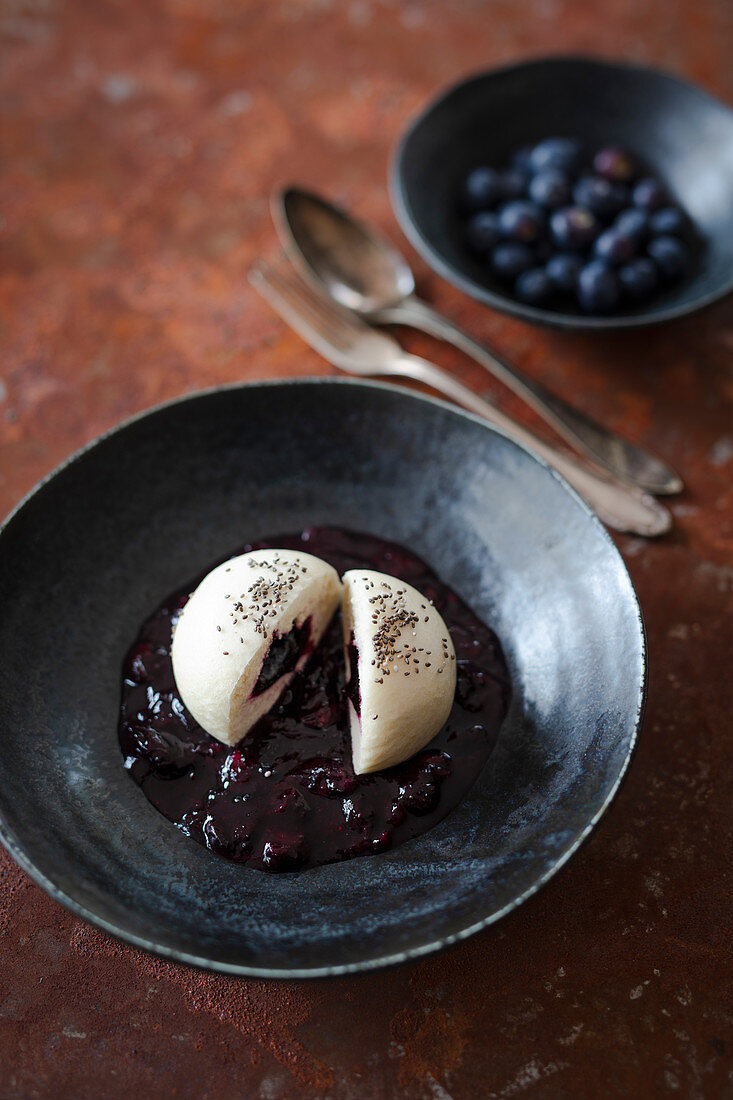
point(676, 130)
point(94, 548)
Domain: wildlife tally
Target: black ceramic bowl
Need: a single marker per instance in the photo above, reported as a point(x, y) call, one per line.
point(97, 545)
point(675, 129)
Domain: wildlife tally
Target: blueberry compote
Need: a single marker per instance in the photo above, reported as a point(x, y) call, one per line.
point(286, 796)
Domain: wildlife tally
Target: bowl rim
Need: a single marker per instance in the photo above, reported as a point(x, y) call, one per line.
point(546, 318)
point(14, 845)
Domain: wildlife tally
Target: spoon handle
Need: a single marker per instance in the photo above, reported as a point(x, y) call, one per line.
point(625, 459)
point(620, 505)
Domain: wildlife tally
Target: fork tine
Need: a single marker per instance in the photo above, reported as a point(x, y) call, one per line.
point(331, 313)
point(288, 302)
point(305, 307)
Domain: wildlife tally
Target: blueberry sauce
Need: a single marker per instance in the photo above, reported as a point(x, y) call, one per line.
point(286, 797)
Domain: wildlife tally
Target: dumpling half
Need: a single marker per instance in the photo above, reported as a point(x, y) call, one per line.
point(400, 665)
point(247, 628)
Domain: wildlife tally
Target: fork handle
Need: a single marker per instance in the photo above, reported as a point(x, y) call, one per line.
point(618, 504)
point(620, 456)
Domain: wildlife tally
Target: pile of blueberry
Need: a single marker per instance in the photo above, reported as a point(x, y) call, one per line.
point(557, 225)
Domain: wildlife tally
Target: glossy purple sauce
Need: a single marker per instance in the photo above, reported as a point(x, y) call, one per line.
point(286, 797)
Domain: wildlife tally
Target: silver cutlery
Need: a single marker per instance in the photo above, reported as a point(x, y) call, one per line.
point(356, 348)
point(364, 273)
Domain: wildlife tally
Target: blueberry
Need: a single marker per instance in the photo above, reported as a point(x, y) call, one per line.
point(511, 259)
point(436, 764)
point(615, 247)
point(328, 777)
point(670, 255)
point(235, 769)
point(481, 189)
point(562, 153)
point(397, 814)
point(614, 164)
point(563, 270)
point(421, 798)
point(600, 195)
point(148, 666)
point(482, 231)
point(649, 194)
point(534, 286)
point(574, 227)
point(223, 833)
point(550, 188)
point(598, 288)
point(283, 852)
point(638, 278)
point(633, 222)
point(521, 221)
point(668, 221)
point(192, 824)
point(292, 800)
point(168, 756)
point(513, 183)
point(383, 841)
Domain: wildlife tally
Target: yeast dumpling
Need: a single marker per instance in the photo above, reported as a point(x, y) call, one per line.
point(250, 624)
point(401, 666)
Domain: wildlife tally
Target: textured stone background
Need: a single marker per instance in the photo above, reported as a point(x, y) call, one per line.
point(140, 140)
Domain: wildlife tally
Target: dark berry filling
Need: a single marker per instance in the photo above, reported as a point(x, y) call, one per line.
point(283, 655)
point(286, 797)
point(352, 687)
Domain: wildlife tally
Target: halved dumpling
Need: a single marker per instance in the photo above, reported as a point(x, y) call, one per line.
point(247, 628)
point(400, 667)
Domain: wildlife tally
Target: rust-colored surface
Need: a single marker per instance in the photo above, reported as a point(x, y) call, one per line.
point(140, 140)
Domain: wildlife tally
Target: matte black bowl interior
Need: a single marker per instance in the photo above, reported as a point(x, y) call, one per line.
point(96, 546)
point(673, 127)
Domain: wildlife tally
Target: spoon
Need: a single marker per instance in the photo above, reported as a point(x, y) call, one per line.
point(354, 346)
point(364, 273)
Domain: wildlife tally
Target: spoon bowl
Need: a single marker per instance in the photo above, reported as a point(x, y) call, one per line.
point(359, 269)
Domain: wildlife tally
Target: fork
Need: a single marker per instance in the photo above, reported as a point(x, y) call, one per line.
point(356, 348)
